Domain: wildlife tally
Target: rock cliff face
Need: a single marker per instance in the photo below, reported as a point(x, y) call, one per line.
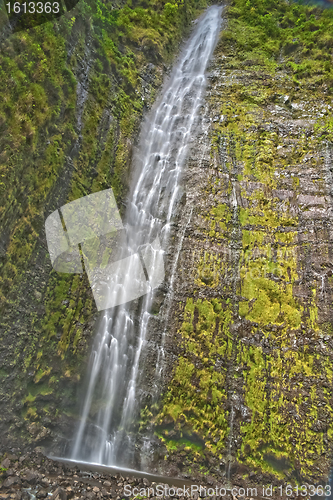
point(76, 90)
point(247, 389)
point(250, 395)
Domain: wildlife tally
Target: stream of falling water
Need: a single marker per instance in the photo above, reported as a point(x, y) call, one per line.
point(111, 402)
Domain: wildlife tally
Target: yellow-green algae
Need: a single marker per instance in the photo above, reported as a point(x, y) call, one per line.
point(197, 395)
point(38, 123)
point(271, 53)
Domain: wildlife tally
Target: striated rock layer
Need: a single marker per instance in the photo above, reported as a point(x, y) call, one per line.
point(247, 391)
point(76, 91)
point(250, 394)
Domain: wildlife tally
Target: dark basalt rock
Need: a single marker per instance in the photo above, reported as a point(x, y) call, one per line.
point(11, 481)
point(59, 494)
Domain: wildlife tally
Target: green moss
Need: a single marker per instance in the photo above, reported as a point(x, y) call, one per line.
point(278, 423)
point(40, 172)
point(197, 396)
point(173, 445)
point(267, 279)
point(32, 413)
point(254, 257)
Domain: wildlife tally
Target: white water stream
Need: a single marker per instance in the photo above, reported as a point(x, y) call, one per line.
point(112, 400)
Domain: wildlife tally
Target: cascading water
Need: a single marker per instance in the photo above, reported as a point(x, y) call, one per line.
point(111, 402)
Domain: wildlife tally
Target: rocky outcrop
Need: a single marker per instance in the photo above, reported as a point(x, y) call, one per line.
point(251, 392)
point(32, 475)
point(247, 393)
point(68, 125)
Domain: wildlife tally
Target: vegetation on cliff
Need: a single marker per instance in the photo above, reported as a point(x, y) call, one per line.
point(74, 91)
point(253, 385)
point(255, 380)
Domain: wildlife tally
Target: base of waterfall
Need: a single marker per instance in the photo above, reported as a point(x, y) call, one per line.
point(28, 475)
point(113, 470)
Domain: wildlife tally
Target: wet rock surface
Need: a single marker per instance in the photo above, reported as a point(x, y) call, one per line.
point(251, 318)
point(32, 476)
point(248, 348)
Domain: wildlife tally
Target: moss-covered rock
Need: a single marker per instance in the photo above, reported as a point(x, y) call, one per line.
point(74, 92)
point(252, 301)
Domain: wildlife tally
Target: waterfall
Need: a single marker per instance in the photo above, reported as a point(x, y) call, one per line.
point(112, 401)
